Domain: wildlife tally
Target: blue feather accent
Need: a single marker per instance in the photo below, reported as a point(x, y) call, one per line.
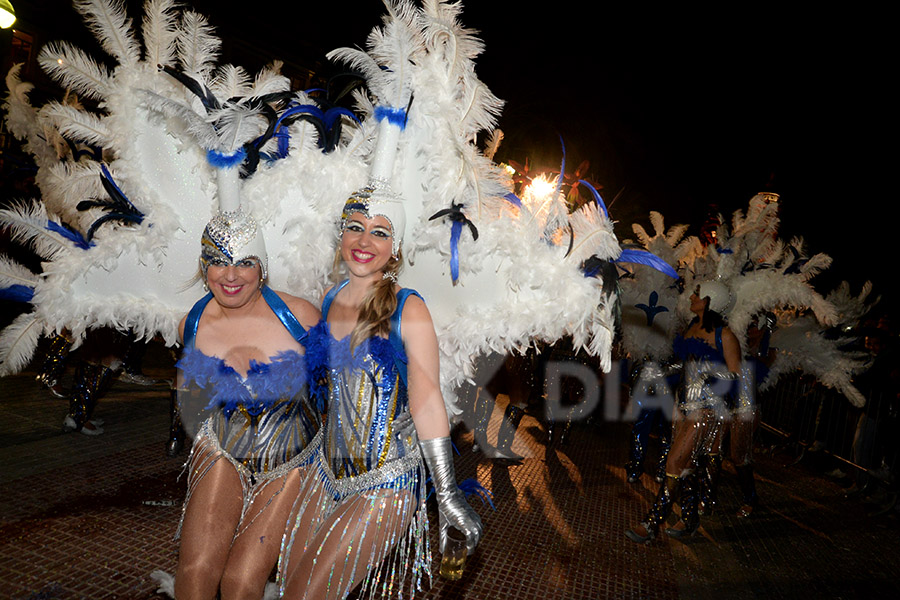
point(471, 486)
point(70, 234)
point(396, 116)
point(643, 257)
point(562, 168)
point(724, 250)
point(597, 197)
point(17, 293)
point(510, 197)
point(220, 160)
point(117, 208)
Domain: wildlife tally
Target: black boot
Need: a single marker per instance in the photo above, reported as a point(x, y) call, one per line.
point(659, 512)
point(690, 515)
point(748, 490)
point(507, 431)
point(90, 383)
point(665, 442)
point(54, 364)
point(710, 467)
point(637, 450)
point(176, 430)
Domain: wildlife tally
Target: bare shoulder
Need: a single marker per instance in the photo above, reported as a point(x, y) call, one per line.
point(728, 336)
point(181, 329)
point(415, 310)
point(305, 311)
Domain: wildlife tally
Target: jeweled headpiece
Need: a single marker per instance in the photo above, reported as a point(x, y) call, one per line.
point(378, 200)
point(232, 235)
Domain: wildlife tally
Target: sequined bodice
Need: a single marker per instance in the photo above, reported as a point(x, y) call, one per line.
point(262, 419)
point(368, 422)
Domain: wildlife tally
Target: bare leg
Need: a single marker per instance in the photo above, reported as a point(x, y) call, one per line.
point(210, 520)
point(254, 551)
point(354, 539)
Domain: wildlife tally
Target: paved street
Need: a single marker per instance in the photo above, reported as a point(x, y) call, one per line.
point(90, 517)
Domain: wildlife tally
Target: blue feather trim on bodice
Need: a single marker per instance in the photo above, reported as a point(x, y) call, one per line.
point(282, 377)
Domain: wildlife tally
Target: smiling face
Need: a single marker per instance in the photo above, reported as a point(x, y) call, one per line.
point(234, 285)
point(366, 244)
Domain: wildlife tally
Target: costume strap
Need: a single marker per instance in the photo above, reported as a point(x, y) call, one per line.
point(193, 320)
point(284, 315)
point(275, 303)
point(329, 298)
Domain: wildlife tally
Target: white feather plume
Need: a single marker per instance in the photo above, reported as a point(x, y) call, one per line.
point(197, 47)
point(27, 224)
point(394, 46)
point(74, 69)
point(270, 80)
point(230, 81)
point(12, 273)
point(159, 32)
point(77, 125)
point(110, 24)
point(18, 342)
point(593, 235)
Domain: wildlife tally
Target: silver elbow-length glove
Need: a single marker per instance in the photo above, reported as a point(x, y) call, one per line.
point(453, 508)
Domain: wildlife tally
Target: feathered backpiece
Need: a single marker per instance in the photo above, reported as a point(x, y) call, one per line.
point(496, 273)
point(649, 296)
point(128, 187)
point(761, 271)
point(765, 274)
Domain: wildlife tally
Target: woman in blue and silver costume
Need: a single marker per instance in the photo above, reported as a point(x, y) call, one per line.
point(711, 362)
point(243, 367)
point(360, 517)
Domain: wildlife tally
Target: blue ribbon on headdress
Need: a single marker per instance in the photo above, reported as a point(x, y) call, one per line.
point(456, 215)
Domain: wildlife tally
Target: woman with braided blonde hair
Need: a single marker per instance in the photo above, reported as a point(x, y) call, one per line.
point(360, 516)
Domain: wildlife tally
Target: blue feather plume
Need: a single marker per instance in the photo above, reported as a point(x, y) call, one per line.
point(643, 257)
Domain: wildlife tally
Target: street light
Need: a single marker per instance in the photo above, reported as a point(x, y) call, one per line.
point(7, 14)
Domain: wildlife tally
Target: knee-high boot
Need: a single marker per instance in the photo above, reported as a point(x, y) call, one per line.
point(690, 514)
point(90, 382)
point(54, 364)
point(709, 472)
point(748, 490)
point(659, 512)
point(507, 430)
point(176, 429)
point(665, 442)
point(637, 450)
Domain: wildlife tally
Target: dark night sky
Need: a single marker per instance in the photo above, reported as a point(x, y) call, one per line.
point(675, 108)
